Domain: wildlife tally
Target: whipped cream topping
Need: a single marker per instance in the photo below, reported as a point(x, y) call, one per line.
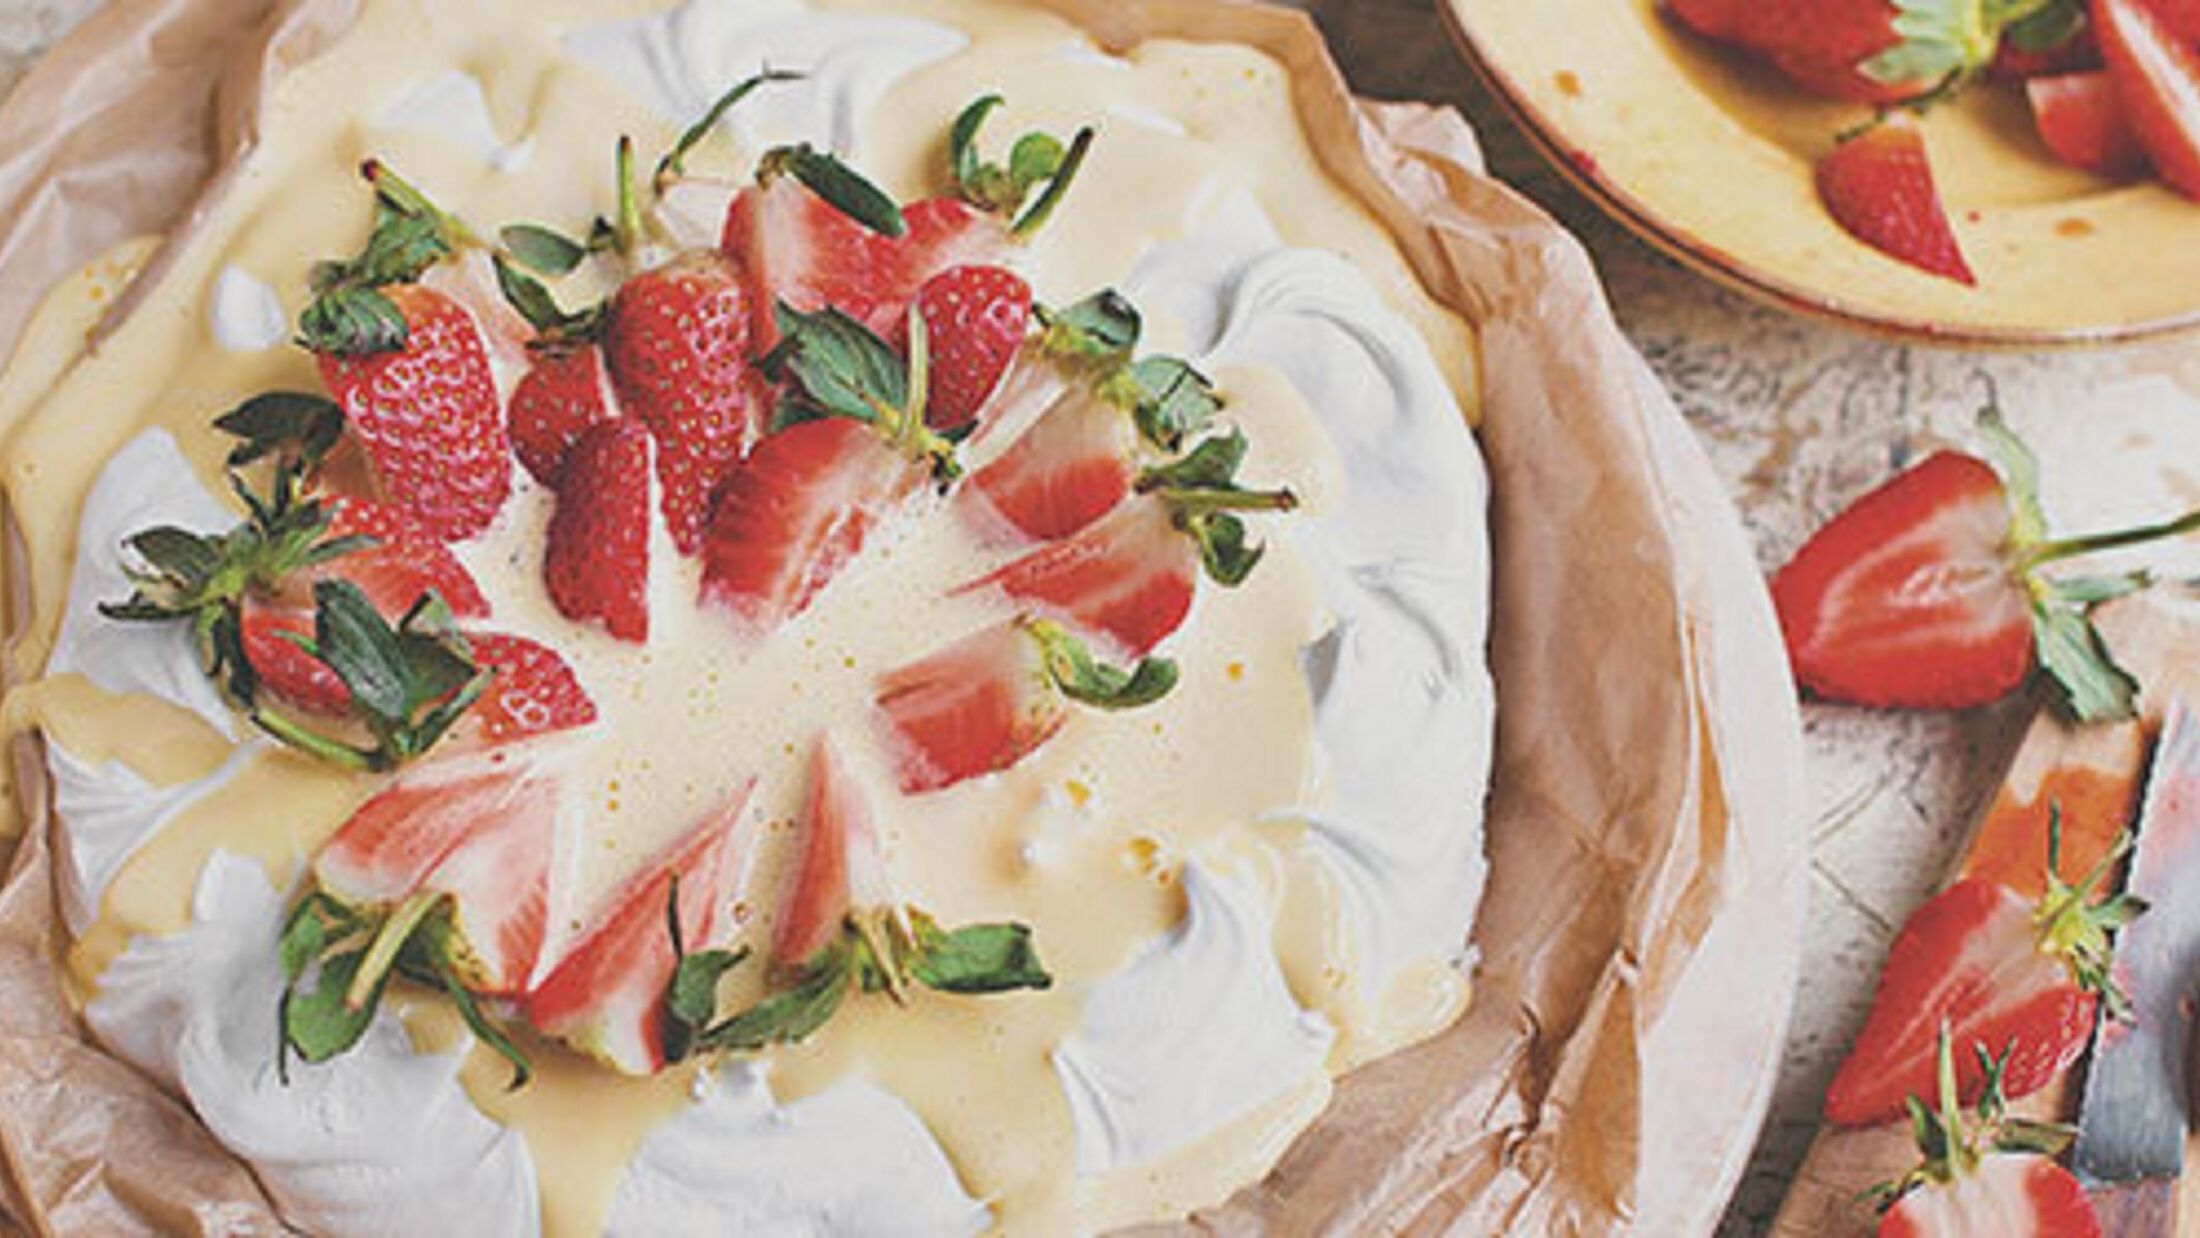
point(246, 315)
point(382, 1141)
point(1198, 1030)
point(451, 105)
point(853, 1162)
point(147, 483)
point(680, 61)
point(1404, 706)
point(111, 813)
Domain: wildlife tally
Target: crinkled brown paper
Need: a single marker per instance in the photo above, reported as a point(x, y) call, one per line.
point(1610, 824)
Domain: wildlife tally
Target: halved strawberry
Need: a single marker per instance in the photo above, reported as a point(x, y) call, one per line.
point(606, 995)
point(677, 340)
point(2077, 53)
point(470, 278)
point(840, 869)
point(597, 565)
point(1995, 1178)
point(395, 840)
point(795, 512)
point(534, 692)
point(1879, 186)
point(795, 248)
point(405, 562)
point(428, 415)
point(2157, 77)
point(2020, 982)
point(2081, 119)
point(1071, 468)
point(564, 394)
point(992, 699)
point(1928, 592)
point(976, 318)
point(1865, 51)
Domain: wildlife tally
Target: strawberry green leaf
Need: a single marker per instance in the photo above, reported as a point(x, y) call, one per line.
point(2048, 28)
point(544, 251)
point(1089, 681)
point(674, 165)
point(794, 1013)
point(288, 424)
point(409, 684)
point(1057, 185)
point(841, 367)
point(1172, 401)
point(319, 1023)
point(1939, 39)
point(691, 1000)
point(552, 322)
point(1213, 465)
point(438, 959)
point(2020, 476)
point(962, 140)
point(352, 321)
point(1036, 157)
point(842, 187)
point(1103, 327)
point(1223, 547)
point(981, 958)
point(2094, 590)
point(2093, 686)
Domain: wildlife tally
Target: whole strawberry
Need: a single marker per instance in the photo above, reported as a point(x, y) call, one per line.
point(1996, 1176)
point(1928, 593)
point(427, 414)
point(2021, 982)
point(677, 340)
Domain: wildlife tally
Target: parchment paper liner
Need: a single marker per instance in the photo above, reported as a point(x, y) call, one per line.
point(1610, 822)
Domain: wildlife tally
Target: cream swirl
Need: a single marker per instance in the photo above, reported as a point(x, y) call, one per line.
point(382, 1141)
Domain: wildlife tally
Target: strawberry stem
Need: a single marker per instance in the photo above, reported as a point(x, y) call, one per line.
point(1201, 502)
point(627, 234)
point(920, 368)
point(2094, 543)
point(388, 942)
point(315, 744)
point(411, 201)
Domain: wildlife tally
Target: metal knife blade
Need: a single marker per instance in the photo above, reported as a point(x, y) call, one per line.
point(2137, 1106)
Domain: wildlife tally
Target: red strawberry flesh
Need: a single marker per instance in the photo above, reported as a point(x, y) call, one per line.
point(1879, 187)
point(1070, 469)
point(976, 318)
point(1129, 579)
point(2081, 119)
point(563, 396)
point(597, 564)
point(405, 563)
point(2009, 1195)
point(2157, 78)
point(1907, 599)
point(796, 511)
point(839, 864)
point(975, 708)
point(534, 692)
point(605, 995)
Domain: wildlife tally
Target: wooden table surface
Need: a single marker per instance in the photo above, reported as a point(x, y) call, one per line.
point(1799, 418)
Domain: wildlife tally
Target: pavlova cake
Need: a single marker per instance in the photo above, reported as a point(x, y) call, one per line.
point(768, 617)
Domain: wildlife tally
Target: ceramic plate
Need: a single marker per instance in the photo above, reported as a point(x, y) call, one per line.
point(1709, 157)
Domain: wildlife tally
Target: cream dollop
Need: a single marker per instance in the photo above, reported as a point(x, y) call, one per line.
point(680, 61)
point(1403, 703)
point(1198, 1030)
point(246, 315)
point(852, 1162)
point(382, 1141)
point(147, 483)
point(452, 106)
point(111, 813)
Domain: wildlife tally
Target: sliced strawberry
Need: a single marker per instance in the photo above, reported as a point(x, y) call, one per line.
point(2021, 981)
point(564, 394)
point(678, 346)
point(1071, 468)
point(2075, 54)
point(1879, 186)
point(498, 880)
point(795, 512)
point(285, 670)
point(975, 320)
point(2157, 77)
point(428, 415)
point(534, 693)
point(840, 869)
point(605, 996)
point(1907, 598)
point(405, 563)
point(798, 249)
point(1131, 577)
point(2081, 118)
point(974, 708)
point(597, 566)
